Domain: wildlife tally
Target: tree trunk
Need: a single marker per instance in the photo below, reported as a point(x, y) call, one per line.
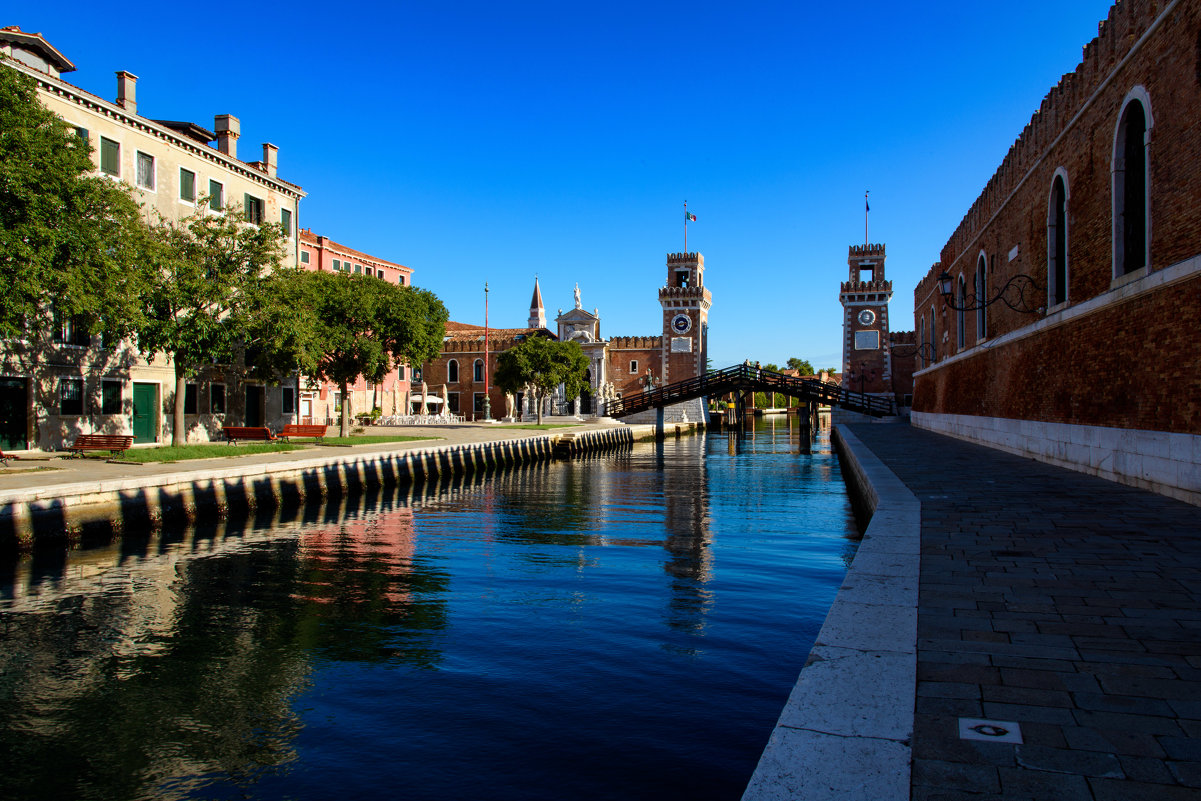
point(179, 432)
point(539, 399)
point(344, 428)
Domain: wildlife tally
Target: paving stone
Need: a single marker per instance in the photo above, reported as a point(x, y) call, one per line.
point(1064, 760)
point(1072, 605)
point(955, 776)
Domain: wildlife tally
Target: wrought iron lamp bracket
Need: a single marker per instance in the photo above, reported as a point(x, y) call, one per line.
point(1023, 290)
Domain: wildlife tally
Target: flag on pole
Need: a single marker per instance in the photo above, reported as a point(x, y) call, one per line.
point(689, 217)
point(866, 206)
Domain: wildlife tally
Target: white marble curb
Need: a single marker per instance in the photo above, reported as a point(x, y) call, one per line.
point(845, 730)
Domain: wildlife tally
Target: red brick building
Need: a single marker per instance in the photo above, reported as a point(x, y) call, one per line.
point(1091, 230)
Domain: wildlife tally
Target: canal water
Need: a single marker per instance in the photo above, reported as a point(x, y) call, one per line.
point(625, 625)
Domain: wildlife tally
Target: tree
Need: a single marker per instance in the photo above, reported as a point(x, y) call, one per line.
point(69, 239)
point(201, 273)
point(336, 327)
point(802, 366)
point(539, 365)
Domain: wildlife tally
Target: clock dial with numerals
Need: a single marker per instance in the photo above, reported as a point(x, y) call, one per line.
point(867, 317)
point(681, 323)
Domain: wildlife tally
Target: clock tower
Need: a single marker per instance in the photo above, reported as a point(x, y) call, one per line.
point(685, 303)
point(866, 363)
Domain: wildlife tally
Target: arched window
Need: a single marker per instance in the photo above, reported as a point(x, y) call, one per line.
point(921, 342)
point(981, 296)
point(933, 339)
point(478, 371)
point(1131, 209)
point(1057, 241)
point(960, 301)
point(452, 371)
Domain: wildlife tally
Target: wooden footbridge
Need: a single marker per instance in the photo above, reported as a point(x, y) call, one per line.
point(743, 379)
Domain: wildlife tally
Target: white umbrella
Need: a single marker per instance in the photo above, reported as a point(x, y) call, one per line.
point(404, 406)
point(425, 391)
point(445, 401)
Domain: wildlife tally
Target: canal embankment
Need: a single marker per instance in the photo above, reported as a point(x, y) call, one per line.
point(55, 501)
point(846, 728)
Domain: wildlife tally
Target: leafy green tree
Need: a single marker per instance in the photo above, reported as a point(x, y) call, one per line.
point(802, 366)
point(201, 273)
point(539, 365)
point(69, 239)
point(336, 327)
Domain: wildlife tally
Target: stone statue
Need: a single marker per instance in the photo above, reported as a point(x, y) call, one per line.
point(577, 296)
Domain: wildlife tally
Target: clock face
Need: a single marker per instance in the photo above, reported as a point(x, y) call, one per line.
point(681, 323)
point(867, 317)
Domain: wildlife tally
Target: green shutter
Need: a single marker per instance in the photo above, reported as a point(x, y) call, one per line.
point(216, 195)
point(187, 185)
point(110, 157)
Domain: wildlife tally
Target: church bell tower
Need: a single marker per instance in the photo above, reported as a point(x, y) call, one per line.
point(866, 364)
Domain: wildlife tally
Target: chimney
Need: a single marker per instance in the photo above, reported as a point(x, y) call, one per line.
point(228, 130)
point(270, 158)
point(127, 95)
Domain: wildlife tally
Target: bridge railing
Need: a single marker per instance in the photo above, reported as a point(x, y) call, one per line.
point(743, 377)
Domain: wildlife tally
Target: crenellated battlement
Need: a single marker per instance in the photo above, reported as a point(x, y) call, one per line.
point(864, 251)
point(1127, 21)
point(865, 286)
point(636, 343)
point(685, 258)
point(694, 292)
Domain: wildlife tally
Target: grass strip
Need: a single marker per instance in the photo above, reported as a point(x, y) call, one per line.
point(211, 450)
point(371, 440)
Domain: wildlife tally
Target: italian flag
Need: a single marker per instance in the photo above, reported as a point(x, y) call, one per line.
point(689, 217)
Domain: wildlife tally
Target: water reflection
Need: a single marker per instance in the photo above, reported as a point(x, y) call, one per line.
point(622, 624)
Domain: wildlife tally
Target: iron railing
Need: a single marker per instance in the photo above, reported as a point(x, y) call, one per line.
point(745, 377)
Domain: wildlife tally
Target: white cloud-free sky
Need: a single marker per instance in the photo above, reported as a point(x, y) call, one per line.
point(491, 142)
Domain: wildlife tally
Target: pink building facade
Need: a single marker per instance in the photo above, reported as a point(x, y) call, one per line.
point(320, 403)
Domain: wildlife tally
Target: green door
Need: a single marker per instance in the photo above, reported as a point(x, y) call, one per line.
point(14, 413)
point(145, 412)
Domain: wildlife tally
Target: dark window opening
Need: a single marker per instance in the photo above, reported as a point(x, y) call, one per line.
point(682, 278)
point(70, 396)
point(1057, 238)
point(190, 405)
point(110, 397)
point(217, 399)
point(1131, 190)
point(452, 372)
point(253, 209)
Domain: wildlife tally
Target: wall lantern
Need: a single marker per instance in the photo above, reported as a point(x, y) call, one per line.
point(1020, 284)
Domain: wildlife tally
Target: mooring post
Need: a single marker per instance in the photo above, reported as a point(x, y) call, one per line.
point(659, 423)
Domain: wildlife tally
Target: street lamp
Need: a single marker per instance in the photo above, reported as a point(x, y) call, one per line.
point(487, 402)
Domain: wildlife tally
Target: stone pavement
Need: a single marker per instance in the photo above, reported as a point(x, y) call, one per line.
point(46, 470)
point(1064, 603)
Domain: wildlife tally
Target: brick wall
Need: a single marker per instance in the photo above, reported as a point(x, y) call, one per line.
point(1130, 357)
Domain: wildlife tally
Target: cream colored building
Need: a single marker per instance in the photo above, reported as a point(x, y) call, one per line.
point(73, 386)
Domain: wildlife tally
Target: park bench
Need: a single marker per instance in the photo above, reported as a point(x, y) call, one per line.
point(5, 458)
point(256, 433)
point(117, 443)
point(300, 430)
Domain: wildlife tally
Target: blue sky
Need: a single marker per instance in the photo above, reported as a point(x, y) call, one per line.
point(491, 142)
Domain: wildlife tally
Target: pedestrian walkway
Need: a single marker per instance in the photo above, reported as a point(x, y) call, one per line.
point(1062, 603)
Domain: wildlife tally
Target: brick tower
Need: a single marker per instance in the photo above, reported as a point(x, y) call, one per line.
point(866, 366)
point(685, 303)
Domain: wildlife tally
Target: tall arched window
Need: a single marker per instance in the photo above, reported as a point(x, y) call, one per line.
point(1057, 241)
point(452, 371)
point(960, 301)
point(1131, 212)
point(981, 296)
point(478, 371)
point(921, 342)
point(933, 338)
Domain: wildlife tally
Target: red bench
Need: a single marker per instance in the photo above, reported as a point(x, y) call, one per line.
point(255, 433)
point(116, 443)
point(299, 430)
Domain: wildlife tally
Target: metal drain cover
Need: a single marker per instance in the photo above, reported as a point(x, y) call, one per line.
point(993, 731)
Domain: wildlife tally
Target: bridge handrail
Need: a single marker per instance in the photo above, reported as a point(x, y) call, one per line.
point(748, 376)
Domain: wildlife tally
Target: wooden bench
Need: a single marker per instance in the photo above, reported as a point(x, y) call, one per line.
point(256, 433)
point(300, 430)
point(117, 443)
